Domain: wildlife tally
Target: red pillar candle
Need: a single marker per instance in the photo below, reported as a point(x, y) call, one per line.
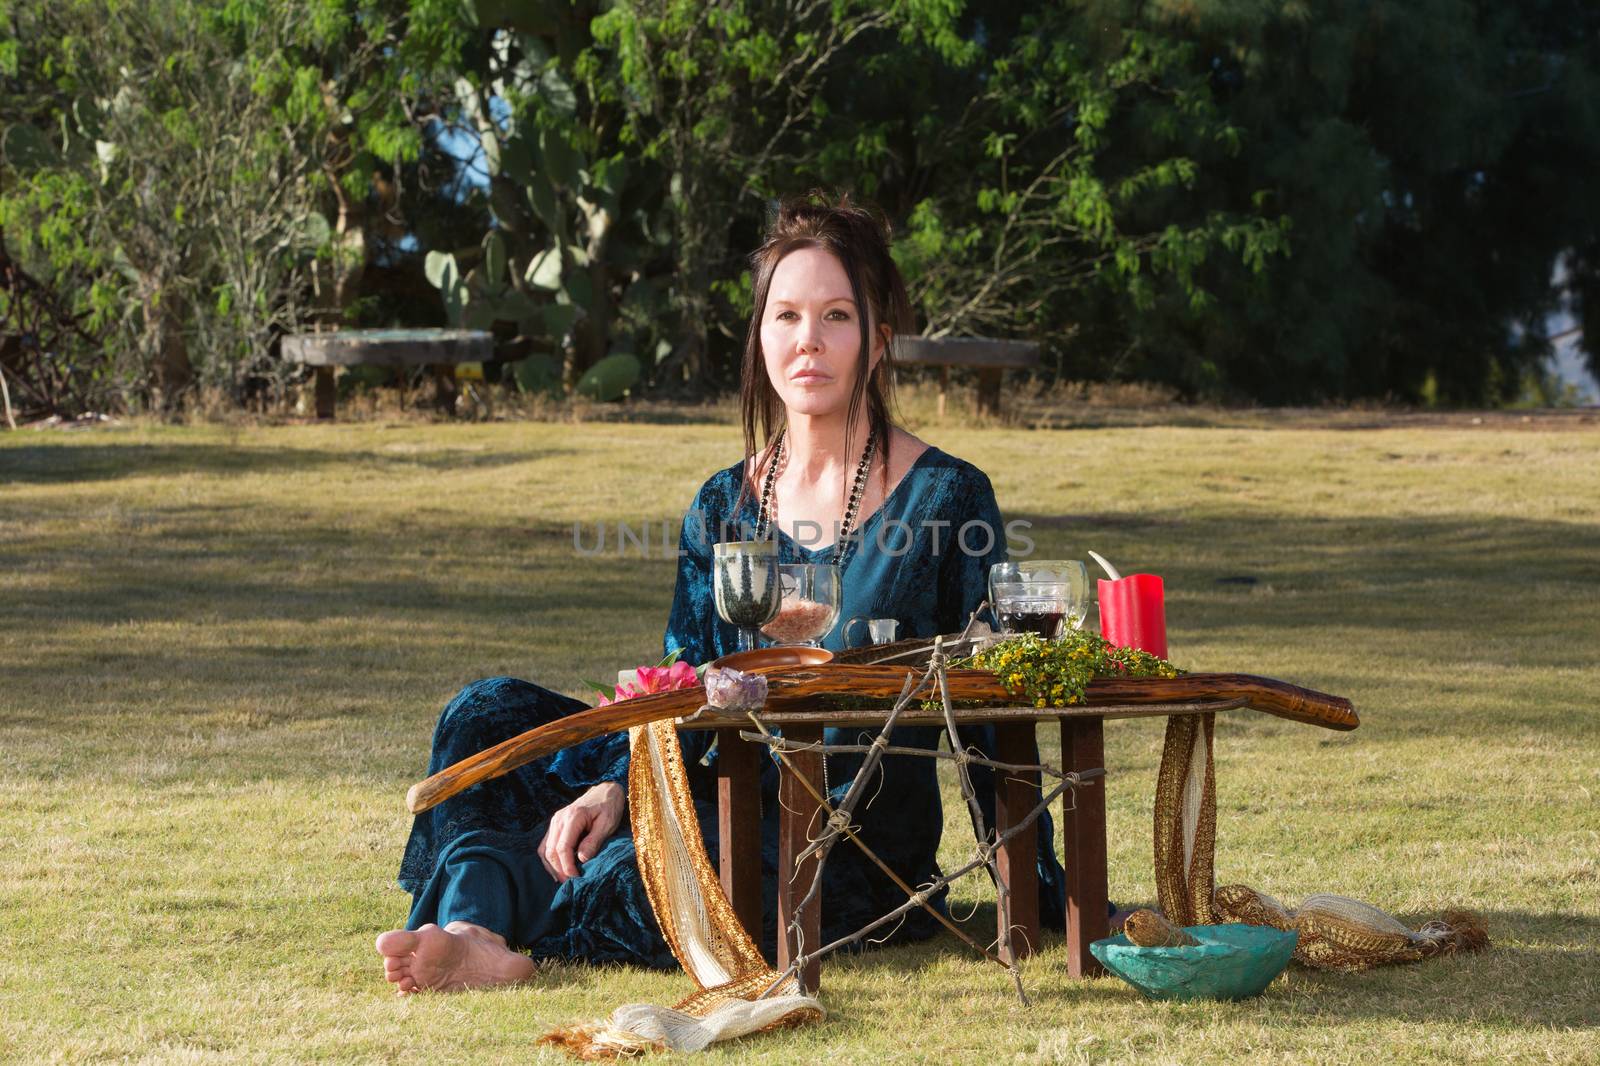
point(1133, 613)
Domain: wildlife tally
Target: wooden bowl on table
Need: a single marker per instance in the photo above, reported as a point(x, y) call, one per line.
point(762, 660)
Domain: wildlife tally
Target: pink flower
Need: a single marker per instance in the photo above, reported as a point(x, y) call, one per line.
point(652, 679)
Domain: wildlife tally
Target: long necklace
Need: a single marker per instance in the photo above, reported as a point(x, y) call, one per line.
point(858, 490)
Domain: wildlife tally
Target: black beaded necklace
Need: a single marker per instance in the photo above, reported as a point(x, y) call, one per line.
point(858, 488)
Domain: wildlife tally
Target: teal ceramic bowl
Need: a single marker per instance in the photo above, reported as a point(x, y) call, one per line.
point(1232, 962)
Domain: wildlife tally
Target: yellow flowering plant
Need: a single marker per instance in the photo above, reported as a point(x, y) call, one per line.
point(1055, 673)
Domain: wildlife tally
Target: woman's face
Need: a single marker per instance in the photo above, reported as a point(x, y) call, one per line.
point(811, 333)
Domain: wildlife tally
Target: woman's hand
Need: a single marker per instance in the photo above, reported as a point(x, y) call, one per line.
point(578, 829)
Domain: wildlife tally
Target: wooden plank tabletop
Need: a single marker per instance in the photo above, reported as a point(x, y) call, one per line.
point(874, 716)
point(967, 351)
point(389, 347)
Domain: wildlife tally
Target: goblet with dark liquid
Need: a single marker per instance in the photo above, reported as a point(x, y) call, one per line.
point(1032, 607)
point(745, 580)
point(1070, 573)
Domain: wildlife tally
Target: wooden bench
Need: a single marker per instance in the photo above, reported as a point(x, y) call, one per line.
point(991, 358)
point(439, 349)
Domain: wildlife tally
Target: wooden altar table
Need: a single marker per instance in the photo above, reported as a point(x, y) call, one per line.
point(802, 700)
point(1083, 824)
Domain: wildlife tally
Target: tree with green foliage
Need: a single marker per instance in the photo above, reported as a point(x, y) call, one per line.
point(565, 227)
point(1279, 202)
point(718, 96)
point(1019, 199)
point(624, 143)
point(1436, 158)
point(676, 124)
point(172, 168)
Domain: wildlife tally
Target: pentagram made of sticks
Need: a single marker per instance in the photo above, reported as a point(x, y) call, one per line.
point(836, 823)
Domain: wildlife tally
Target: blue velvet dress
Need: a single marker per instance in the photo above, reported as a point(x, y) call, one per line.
point(923, 558)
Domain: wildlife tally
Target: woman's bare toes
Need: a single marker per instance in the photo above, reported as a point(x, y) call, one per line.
point(457, 957)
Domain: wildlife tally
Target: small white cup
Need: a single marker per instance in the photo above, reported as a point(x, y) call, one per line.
point(881, 630)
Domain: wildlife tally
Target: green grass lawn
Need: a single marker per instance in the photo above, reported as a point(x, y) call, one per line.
point(222, 651)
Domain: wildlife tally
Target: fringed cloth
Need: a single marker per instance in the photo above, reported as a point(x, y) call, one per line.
point(736, 991)
point(1336, 933)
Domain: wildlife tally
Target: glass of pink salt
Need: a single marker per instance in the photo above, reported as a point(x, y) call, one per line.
point(810, 606)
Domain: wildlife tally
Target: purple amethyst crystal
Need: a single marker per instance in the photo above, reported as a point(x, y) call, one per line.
point(733, 690)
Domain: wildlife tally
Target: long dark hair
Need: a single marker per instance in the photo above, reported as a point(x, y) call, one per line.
point(858, 237)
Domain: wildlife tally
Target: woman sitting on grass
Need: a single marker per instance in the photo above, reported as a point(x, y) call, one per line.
point(540, 863)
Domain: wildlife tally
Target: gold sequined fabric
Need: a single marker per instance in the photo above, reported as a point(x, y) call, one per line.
point(1147, 929)
point(736, 991)
point(1186, 821)
point(1337, 933)
point(667, 839)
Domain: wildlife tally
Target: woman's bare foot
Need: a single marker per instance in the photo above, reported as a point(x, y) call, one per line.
point(461, 955)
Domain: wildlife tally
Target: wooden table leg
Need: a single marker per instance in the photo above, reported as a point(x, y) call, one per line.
point(739, 826)
point(327, 393)
point(1083, 833)
point(944, 387)
point(446, 393)
point(1014, 796)
point(799, 819)
point(989, 380)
